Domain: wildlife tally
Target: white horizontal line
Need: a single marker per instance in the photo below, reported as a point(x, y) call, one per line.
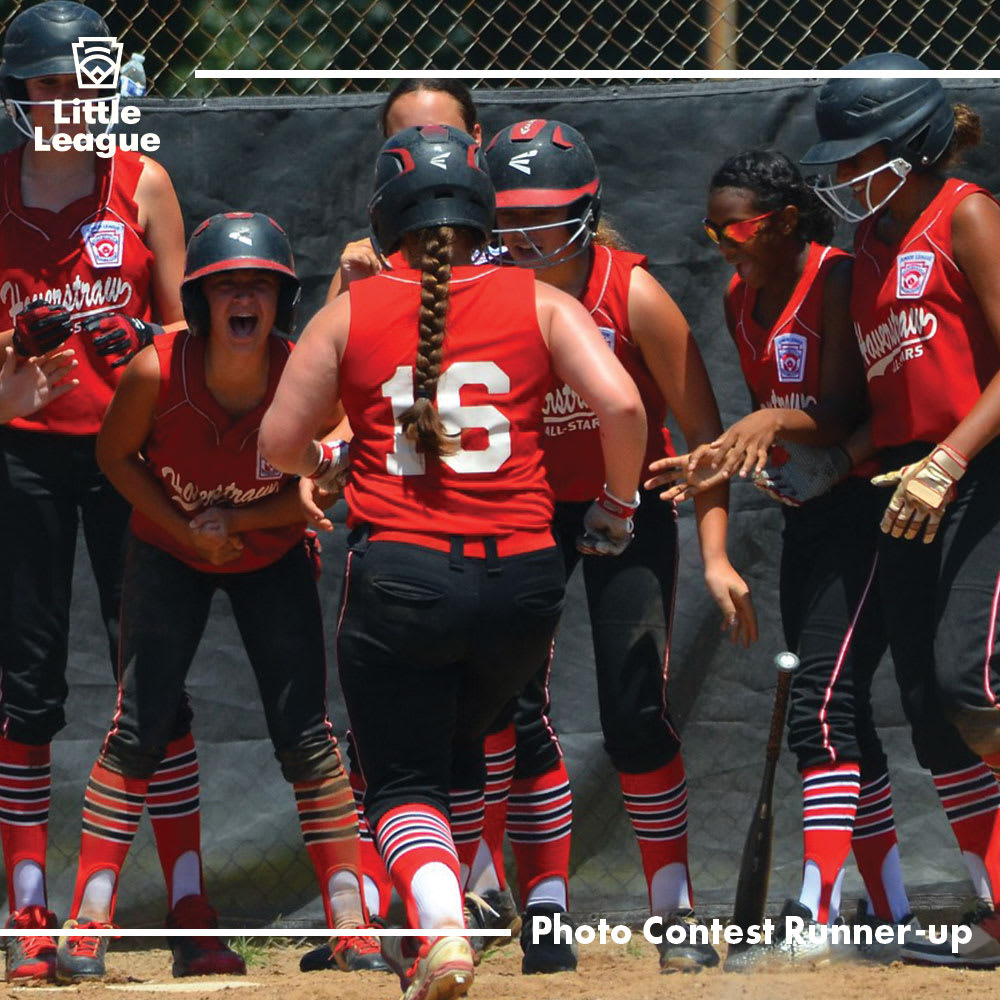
point(586, 74)
point(273, 932)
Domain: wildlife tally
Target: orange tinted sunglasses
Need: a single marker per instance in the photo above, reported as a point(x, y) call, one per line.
point(737, 232)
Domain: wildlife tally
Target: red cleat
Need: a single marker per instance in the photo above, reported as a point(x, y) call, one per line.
point(200, 956)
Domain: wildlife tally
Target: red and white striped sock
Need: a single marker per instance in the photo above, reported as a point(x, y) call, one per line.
point(173, 803)
point(376, 882)
point(539, 825)
point(112, 806)
point(25, 792)
point(467, 810)
point(329, 826)
point(657, 805)
point(829, 805)
point(876, 850)
point(415, 841)
point(971, 802)
point(488, 868)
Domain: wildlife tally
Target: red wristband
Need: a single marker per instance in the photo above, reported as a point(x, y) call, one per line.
point(618, 508)
point(330, 452)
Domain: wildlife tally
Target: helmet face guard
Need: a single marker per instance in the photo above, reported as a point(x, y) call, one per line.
point(581, 235)
point(842, 199)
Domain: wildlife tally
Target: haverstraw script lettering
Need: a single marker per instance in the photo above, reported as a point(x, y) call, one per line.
point(191, 498)
point(78, 296)
point(902, 329)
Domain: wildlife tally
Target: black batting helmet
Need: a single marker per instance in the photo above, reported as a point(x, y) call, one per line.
point(431, 175)
point(39, 42)
point(910, 115)
point(233, 241)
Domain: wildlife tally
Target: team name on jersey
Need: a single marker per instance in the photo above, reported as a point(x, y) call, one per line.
point(897, 340)
point(191, 497)
point(112, 293)
point(789, 401)
point(564, 412)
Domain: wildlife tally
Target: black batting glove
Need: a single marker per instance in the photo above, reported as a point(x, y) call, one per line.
point(40, 328)
point(119, 336)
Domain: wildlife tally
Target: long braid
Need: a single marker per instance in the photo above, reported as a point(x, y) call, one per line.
point(421, 423)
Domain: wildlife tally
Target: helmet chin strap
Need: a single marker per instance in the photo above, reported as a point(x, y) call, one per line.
point(840, 198)
point(16, 111)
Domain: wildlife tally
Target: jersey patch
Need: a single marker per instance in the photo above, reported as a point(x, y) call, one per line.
point(265, 470)
point(609, 336)
point(105, 242)
point(790, 356)
point(913, 270)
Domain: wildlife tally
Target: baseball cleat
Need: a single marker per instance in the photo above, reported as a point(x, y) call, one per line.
point(31, 959)
point(493, 909)
point(550, 953)
point(357, 953)
point(444, 970)
point(982, 951)
point(810, 948)
point(79, 959)
point(200, 956)
point(883, 952)
point(690, 955)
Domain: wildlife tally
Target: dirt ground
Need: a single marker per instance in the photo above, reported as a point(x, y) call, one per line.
point(606, 972)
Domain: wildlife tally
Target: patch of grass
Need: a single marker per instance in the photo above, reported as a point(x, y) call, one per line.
point(253, 950)
point(634, 948)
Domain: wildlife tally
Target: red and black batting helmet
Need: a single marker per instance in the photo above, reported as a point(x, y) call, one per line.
point(233, 241)
point(541, 163)
point(431, 175)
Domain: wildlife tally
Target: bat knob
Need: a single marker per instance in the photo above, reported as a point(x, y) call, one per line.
point(786, 662)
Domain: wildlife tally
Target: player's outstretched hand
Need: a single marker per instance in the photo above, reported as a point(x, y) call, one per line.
point(120, 337)
point(313, 500)
point(38, 381)
point(732, 595)
point(685, 476)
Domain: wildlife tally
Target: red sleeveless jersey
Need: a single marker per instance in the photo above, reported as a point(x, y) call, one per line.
point(495, 370)
point(573, 457)
point(202, 457)
point(90, 258)
point(927, 347)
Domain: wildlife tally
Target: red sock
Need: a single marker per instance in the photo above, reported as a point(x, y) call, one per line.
point(112, 806)
point(372, 865)
point(330, 830)
point(499, 749)
point(466, 824)
point(656, 803)
point(172, 801)
point(539, 825)
point(873, 838)
point(410, 837)
point(25, 790)
point(971, 802)
point(829, 805)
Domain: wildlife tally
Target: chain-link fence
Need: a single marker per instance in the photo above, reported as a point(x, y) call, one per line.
point(180, 36)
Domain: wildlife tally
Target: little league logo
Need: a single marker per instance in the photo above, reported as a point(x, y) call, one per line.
point(913, 270)
point(98, 62)
point(265, 470)
point(790, 357)
point(104, 242)
point(609, 336)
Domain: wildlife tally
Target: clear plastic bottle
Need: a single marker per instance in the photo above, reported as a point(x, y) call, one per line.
point(132, 79)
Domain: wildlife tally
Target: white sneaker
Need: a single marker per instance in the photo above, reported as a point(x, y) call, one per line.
point(810, 948)
point(444, 970)
point(982, 951)
point(883, 952)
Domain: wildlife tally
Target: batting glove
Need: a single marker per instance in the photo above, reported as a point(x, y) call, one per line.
point(923, 491)
point(122, 337)
point(40, 328)
point(607, 526)
point(807, 472)
point(330, 473)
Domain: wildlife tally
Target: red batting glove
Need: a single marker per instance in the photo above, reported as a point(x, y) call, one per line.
point(40, 327)
point(121, 337)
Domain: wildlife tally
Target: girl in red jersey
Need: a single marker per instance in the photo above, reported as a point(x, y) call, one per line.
point(926, 309)
point(453, 585)
point(91, 250)
point(180, 443)
point(787, 309)
point(547, 219)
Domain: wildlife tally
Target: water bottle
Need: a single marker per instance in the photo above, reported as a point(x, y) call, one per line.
point(132, 79)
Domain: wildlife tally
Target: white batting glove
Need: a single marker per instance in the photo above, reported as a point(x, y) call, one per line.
point(923, 491)
point(607, 526)
point(330, 473)
point(808, 472)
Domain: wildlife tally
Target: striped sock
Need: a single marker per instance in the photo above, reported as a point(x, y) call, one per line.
point(656, 802)
point(173, 803)
point(112, 806)
point(415, 841)
point(876, 850)
point(829, 805)
point(377, 884)
point(539, 825)
point(25, 791)
point(971, 800)
point(500, 753)
point(330, 830)
point(467, 809)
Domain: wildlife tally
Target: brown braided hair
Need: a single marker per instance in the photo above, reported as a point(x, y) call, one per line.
point(421, 423)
